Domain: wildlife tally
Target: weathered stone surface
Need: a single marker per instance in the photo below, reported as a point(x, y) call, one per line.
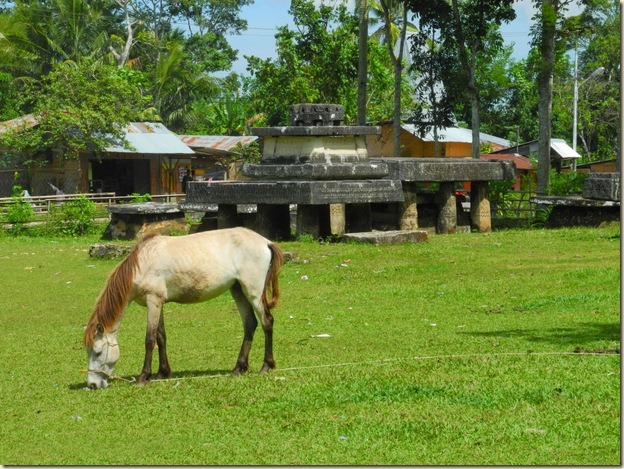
point(316, 114)
point(602, 186)
point(480, 211)
point(447, 169)
point(387, 237)
point(573, 201)
point(578, 211)
point(289, 150)
point(130, 221)
point(447, 215)
point(202, 194)
point(316, 172)
point(145, 208)
point(110, 251)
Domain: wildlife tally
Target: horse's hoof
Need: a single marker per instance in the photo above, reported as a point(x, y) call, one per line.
point(143, 381)
point(239, 371)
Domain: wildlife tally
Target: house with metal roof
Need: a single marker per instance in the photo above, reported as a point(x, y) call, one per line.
point(155, 162)
point(452, 142)
point(560, 151)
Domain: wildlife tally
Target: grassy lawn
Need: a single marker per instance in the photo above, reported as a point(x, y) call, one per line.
point(469, 349)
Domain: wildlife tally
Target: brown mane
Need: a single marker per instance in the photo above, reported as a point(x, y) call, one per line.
point(114, 297)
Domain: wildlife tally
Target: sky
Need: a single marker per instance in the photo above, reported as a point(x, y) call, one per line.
point(264, 16)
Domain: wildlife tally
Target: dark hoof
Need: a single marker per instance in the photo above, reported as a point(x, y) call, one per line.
point(142, 381)
point(164, 375)
point(266, 368)
point(239, 370)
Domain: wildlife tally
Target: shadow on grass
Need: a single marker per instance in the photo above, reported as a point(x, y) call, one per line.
point(575, 337)
point(186, 374)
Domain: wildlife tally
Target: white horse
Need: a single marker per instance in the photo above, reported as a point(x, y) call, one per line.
point(185, 269)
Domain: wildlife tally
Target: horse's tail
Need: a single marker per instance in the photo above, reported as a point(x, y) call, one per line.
point(271, 283)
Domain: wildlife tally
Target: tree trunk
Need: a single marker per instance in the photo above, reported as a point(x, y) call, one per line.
point(362, 62)
point(545, 83)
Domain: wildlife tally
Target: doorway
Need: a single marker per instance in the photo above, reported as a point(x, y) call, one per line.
point(123, 177)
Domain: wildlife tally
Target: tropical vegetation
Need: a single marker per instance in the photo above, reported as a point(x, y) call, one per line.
point(82, 65)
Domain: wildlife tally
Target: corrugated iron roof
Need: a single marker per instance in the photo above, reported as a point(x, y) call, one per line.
point(216, 142)
point(521, 161)
point(457, 135)
point(565, 151)
point(151, 138)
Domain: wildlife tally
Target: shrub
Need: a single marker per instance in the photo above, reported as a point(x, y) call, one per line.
point(19, 211)
point(74, 217)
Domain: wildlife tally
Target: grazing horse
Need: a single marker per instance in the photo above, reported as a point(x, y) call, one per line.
point(185, 269)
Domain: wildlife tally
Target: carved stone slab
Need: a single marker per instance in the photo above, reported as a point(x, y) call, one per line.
point(203, 194)
point(316, 171)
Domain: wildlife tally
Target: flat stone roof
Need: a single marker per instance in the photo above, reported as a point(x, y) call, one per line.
point(315, 131)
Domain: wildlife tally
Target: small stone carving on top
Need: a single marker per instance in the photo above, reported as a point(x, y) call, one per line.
point(315, 115)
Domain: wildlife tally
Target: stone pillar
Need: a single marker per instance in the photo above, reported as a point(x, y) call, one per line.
point(337, 219)
point(408, 210)
point(227, 216)
point(447, 209)
point(273, 221)
point(480, 213)
point(358, 218)
point(308, 220)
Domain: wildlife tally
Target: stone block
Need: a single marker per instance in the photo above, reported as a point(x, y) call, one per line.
point(602, 186)
point(203, 194)
point(388, 237)
point(447, 169)
point(110, 251)
point(316, 114)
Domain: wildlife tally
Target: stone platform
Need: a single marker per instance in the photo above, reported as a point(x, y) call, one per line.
point(568, 211)
point(387, 237)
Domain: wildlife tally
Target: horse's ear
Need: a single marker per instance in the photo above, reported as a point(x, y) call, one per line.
point(100, 329)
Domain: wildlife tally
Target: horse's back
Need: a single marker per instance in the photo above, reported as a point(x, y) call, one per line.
point(202, 265)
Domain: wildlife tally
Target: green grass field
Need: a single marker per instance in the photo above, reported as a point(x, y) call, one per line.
point(469, 349)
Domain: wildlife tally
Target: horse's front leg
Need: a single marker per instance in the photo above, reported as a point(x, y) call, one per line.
point(154, 312)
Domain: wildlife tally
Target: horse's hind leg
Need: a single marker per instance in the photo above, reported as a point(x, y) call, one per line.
point(267, 327)
point(164, 370)
point(250, 323)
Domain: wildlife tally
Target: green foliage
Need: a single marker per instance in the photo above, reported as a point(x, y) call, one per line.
point(19, 211)
point(139, 198)
point(73, 218)
point(317, 62)
point(79, 106)
point(568, 183)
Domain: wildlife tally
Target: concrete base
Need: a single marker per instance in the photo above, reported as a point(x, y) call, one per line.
point(387, 237)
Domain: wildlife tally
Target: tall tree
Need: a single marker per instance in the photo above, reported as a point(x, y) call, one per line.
point(77, 106)
point(395, 26)
point(466, 28)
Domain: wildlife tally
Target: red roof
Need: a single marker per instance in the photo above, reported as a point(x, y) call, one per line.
point(521, 161)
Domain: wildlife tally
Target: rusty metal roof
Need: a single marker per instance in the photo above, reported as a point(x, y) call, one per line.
point(521, 161)
point(28, 120)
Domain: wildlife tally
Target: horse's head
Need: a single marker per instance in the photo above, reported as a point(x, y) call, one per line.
point(102, 355)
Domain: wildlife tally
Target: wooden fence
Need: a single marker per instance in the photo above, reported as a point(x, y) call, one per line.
point(42, 204)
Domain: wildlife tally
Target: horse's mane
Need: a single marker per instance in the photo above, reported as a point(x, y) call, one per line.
point(114, 297)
